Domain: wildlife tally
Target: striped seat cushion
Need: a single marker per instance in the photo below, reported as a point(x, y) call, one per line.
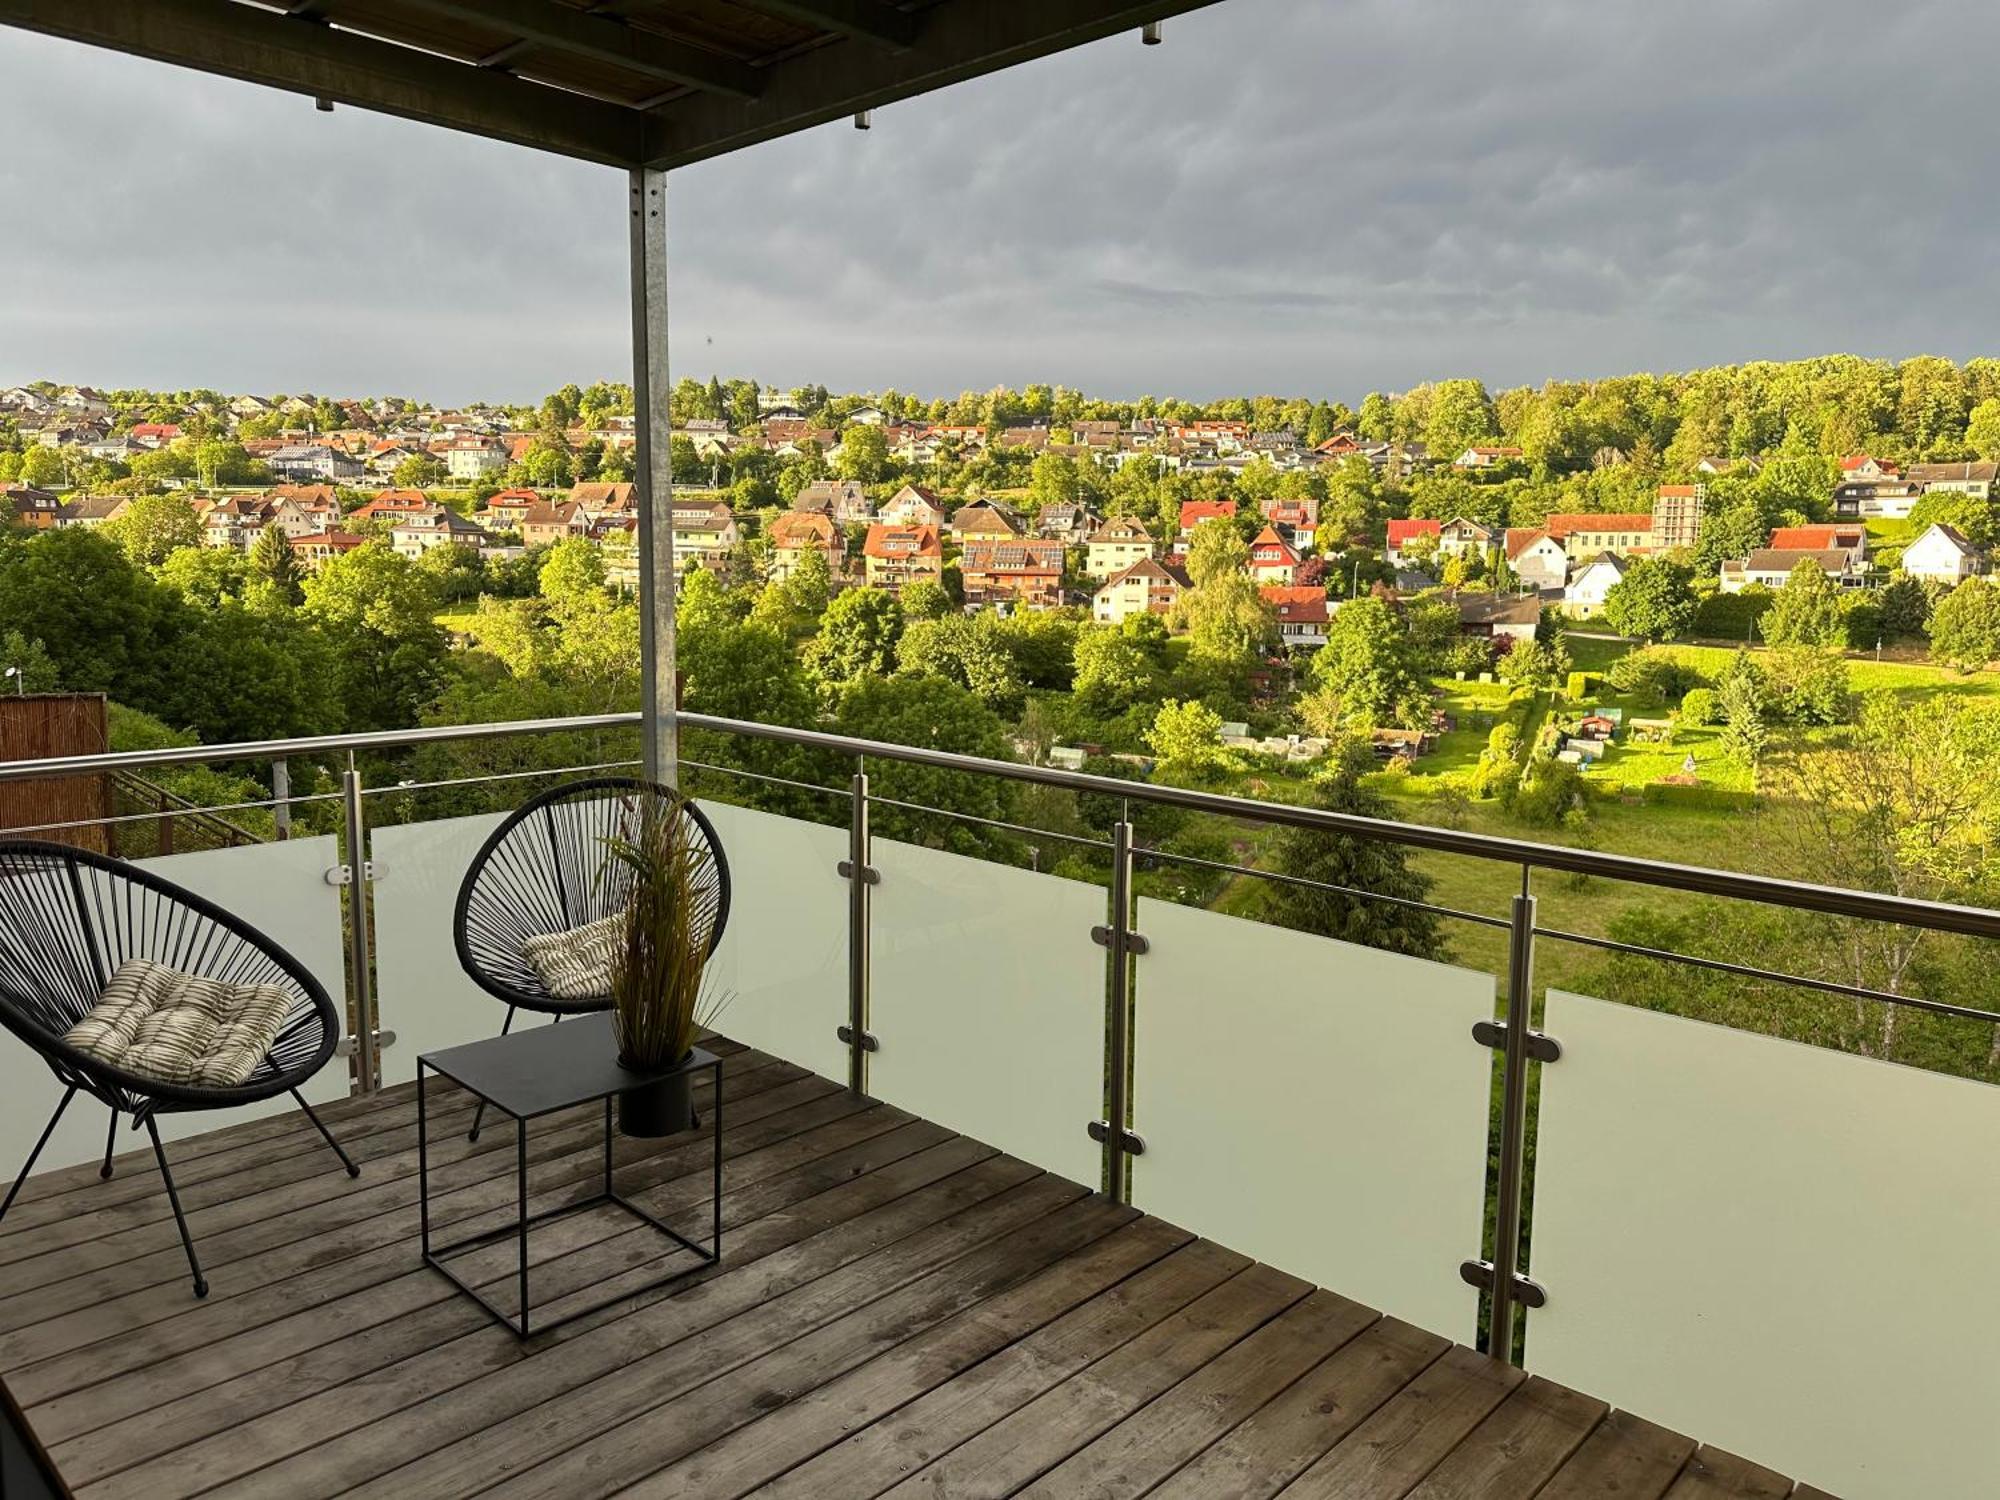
point(157, 1022)
point(575, 964)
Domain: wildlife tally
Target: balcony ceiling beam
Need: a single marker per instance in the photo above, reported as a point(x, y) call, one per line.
point(644, 52)
point(274, 49)
point(864, 20)
point(959, 40)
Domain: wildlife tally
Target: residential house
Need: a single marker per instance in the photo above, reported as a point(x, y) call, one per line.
point(1486, 458)
point(1146, 586)
point(1851, 539)
point(92, 511)
point(984, 521)
point(1297, 520)
point(1584, 534)
point(913, 505)
point(1971, 478)
point(1302, 614)
point(545, 525)
point(318, 498)
point(1022, 573)
point(602, 501)
point(506, 510)
point(1273, 560)
point(895, 555)
point(395, 507)
point(1943, 554)
point(1585, 593)
point(1497, 616)
point(38, 510)
point(298, 517)
point(1715, 466)
point(1115, 546)
point(1677, 511)
point(798, 532)
point(1537, 558)
point(119, 448)
point(1860, 468)
point(155, 434)
point(472, 457)
point(1464, 538)
point(1034, 439)
point(442, 527)
point(1194, 512)
point(300, 461)
point(1889, 499)
point(1070, 522)
point(1771, 566)
point(1404, 532)
point(234, 523)
point(1340, 445)
point(844, 500)
point(704, 530)
point(316, 548)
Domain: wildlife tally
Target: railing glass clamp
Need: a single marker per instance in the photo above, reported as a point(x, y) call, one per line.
point(869, 873)
point(1130, 1141)
point(1479, 1273)
point(1541, 1046)
point(869, 1042)
point(1135, 943)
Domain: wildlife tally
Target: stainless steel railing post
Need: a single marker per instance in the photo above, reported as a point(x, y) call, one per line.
point(281, 796)
point(861, 878)
point(1513, 1126)
point(1114, 1132)
point(367, 1062)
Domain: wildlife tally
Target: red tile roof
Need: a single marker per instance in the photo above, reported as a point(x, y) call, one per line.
point(1403, 531)
point(1563, 523)
point(1194, 512)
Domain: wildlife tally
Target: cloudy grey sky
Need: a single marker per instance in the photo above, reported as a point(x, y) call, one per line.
point(1290, 195)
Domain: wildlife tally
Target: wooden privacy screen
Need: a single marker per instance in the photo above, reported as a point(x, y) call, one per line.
point(41, 725)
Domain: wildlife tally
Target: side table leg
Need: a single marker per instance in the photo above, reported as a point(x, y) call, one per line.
point(607, 1146)
point(715, 1109)
point(521, 1171)
point(423, 1165)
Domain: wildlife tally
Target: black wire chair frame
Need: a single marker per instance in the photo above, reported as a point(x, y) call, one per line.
point(68, 919)
point(546, 869)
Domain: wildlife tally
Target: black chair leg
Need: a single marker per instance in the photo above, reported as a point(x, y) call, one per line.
point(47, 1131)
point(345, 1160)
point(174, 1199)
point(480, 1113)
point(110, 1144)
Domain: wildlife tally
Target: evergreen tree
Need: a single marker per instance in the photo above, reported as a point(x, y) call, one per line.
point(1360, 864)
point(273, 560)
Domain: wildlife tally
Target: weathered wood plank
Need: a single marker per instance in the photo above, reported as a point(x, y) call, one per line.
point(1511, 1454)
point(1412, 1432)
point(755, 1450)
point(1712, 1474)
point(1287, 1435)
point(332, 1390)
point(887, 1450)
point(1626, 1457)
point(1040, 1435)
point(453, 1394)
point(588, 1257)
point(987, 1247)
point(1165, 1433)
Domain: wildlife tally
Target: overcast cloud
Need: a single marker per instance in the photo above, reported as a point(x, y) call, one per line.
point(1290, 195)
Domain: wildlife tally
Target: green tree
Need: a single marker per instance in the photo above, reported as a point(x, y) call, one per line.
point(937, 714)
point(1369, 666)
point(28, 665)
point(1356, 864)
point(1186, 740)
point(857, 637)
point(206, 576)
point(966, 650)
point(273, 560)
point(1653, 601)
point(1536, 665)
point(42, 468)
point(1982, 428)
point(794, 607)
point(1228, 621)
point(1745, 735)
point(1216, 550)
point(107, 626)
point(1805, 611)
point(379, 614)
point(420, 471)
point(572, 574)
point(926, 599)
point(1114, 669)
point(154, 527)
point(1965, 626)
point(864, 455)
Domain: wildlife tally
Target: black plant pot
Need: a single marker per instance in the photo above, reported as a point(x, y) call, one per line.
point(663, 1107)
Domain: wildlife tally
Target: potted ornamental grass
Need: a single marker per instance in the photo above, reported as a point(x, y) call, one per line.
point(660, 988)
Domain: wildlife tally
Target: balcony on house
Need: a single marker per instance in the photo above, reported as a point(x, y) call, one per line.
point(1748, 1262)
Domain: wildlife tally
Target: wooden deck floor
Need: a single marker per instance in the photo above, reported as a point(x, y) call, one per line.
point(900, 1311)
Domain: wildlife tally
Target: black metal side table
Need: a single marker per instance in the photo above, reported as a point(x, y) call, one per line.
point(528, 1074)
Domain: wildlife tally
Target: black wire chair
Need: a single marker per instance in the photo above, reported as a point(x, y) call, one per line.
point(68, 919)
point(548, 869)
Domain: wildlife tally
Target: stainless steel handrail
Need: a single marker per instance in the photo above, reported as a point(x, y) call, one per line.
point(1767, 890)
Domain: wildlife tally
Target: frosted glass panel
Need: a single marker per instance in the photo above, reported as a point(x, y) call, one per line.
point(1787, 1250)
point(783, 958)
point(988, 999)
point(1318, 1105)
point(421, 993)
point(280, 889)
